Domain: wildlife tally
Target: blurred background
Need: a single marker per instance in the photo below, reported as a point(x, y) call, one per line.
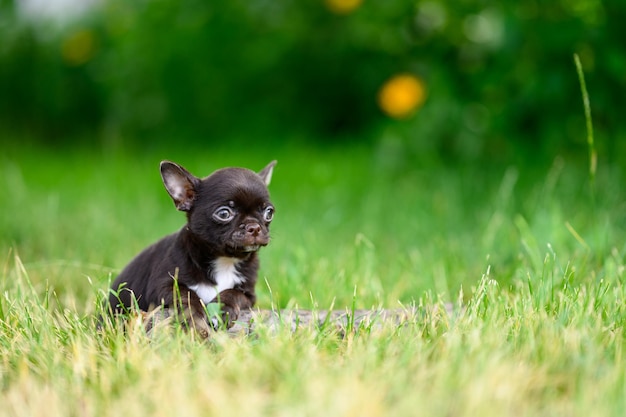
point(441, 79)
point(420, 142)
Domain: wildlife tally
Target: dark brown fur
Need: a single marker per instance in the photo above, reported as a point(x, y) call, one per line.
point(169, 272)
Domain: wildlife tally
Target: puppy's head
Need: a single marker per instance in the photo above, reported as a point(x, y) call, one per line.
point(230, 210)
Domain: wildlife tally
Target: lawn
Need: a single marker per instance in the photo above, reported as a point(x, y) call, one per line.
point(531, 255)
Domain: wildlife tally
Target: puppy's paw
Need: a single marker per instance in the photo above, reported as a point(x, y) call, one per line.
point(230, 314)
point(222, 315)
point(202, 328)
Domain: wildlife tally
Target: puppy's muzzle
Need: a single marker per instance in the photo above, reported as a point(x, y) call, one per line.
point(253, 229)
point(251, 237)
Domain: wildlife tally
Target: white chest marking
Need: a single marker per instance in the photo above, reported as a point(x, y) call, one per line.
point(225, 274)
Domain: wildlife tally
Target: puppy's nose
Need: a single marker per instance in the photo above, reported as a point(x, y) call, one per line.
point(253, 229)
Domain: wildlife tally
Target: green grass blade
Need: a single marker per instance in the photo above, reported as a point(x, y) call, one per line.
point(593, 155)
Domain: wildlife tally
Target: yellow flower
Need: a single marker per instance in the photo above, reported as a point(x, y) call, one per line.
point(343, 6)
point(401, 95)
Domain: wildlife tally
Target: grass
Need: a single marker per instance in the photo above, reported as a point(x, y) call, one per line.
point(537, 262)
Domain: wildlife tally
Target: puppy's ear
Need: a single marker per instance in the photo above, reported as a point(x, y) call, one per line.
point(180, 185)
point(266, 173)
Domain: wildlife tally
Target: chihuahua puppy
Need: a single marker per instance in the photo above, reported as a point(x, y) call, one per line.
point(213, 258)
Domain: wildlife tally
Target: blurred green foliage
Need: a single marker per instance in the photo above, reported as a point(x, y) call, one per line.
point(500, 76)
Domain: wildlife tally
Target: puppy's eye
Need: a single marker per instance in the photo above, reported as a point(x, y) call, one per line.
point(268, 214)
point(224, 214)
